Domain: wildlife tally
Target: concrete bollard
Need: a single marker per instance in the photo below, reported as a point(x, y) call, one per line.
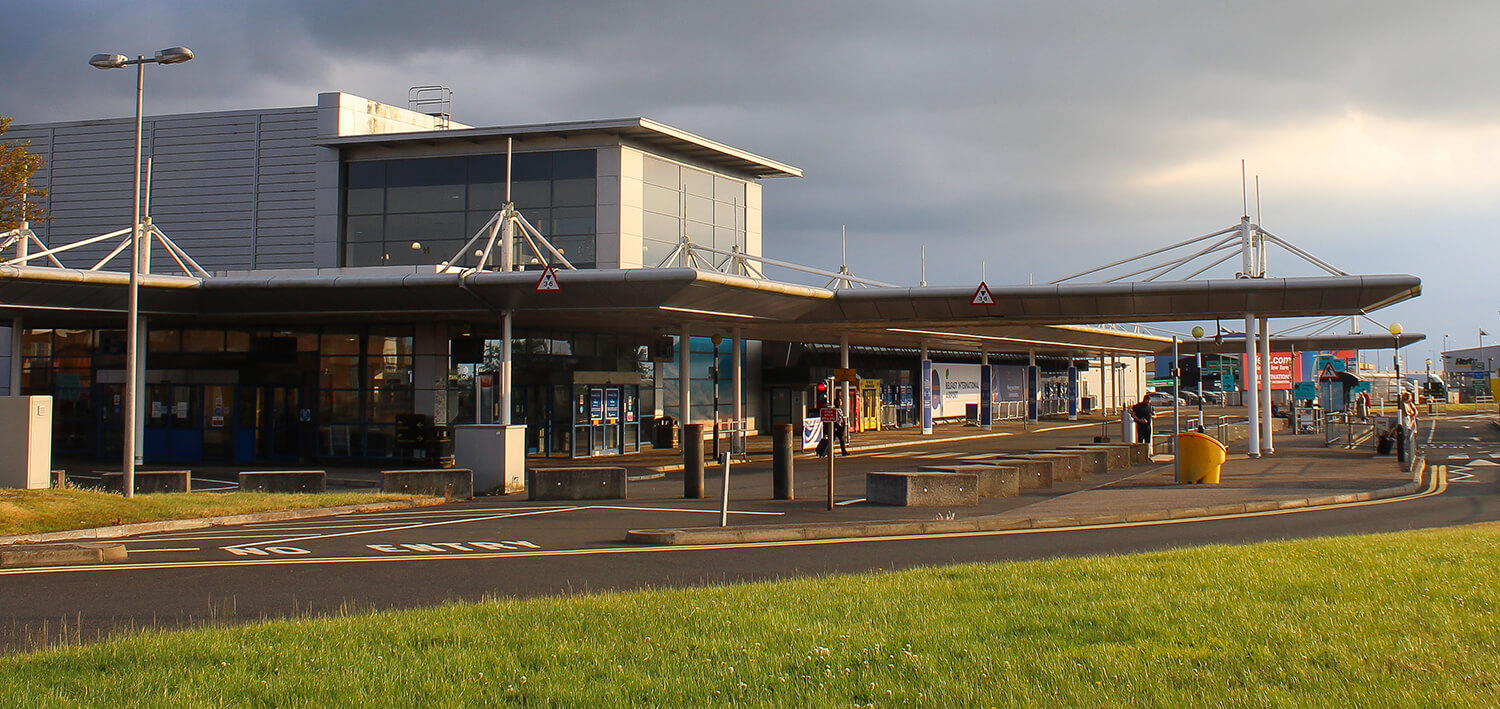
point(781, 461)
point(692, 461)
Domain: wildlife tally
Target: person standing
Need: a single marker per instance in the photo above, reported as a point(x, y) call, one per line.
point(841, 432)
point(1141, 413)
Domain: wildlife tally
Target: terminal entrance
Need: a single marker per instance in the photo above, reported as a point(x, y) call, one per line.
point(606, 419)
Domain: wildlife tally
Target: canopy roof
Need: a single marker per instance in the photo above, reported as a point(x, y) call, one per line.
point(646, 301)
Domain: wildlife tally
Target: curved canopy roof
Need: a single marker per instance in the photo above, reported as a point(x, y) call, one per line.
point(645, 301)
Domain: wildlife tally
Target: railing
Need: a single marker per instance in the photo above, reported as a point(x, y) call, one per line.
point(1346, 429)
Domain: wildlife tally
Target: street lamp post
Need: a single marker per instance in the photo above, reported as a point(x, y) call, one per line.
point(170, 55)
point(1400, 397)
point(1198, 339)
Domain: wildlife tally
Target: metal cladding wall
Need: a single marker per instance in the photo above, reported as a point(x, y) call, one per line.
point(236, 189)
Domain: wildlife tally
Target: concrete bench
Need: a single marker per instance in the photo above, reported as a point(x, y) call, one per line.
point(1065, 466)
point(149, 481)
point(922, 489)
point(994, 480)
point(1119, 454)
point(283, 481)
point(1035, 474)
point(453, 483)
point(1092, 460)
point(592, 483)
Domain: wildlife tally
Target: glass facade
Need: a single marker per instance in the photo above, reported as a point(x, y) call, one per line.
point(679, 201)
point(423, 210)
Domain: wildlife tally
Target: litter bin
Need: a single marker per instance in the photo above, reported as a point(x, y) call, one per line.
point(661, 434)
point(1199, 457)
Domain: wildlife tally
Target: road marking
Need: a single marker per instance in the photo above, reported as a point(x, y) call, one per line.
point(1461, 475)
point(525, 512)
point(157, 551)
point(1436, 486)
point(849, 502)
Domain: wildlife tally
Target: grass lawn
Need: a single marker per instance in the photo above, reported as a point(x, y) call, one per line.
point(33, 511)
point(1391, 620)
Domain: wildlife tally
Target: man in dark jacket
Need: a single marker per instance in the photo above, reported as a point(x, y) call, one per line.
point(1141, 413)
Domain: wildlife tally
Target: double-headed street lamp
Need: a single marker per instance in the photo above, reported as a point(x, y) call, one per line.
point(170, 55)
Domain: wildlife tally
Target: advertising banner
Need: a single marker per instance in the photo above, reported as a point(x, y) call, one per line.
point(1281, 371)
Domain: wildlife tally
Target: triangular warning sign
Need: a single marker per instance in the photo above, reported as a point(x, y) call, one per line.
point(548, 282)
point(982, 296)
point(1328, 374)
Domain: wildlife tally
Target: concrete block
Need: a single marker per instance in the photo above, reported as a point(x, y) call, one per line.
point(1035, 474)
point(1064, 466)
point(994, 480)
point(1120, 454)
point(149, 481)
point(1092, 461)
point(283, 481)
point(453, 483)
point(923, 489)
point(584, 483)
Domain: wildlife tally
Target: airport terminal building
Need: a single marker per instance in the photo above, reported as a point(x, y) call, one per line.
point(343, 299)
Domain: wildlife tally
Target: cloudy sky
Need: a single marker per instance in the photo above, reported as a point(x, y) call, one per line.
point(1029, 139)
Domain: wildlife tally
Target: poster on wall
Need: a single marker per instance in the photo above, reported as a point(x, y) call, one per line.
point(1281, 370)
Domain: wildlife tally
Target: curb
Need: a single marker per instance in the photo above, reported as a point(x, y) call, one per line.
point(175, 525)
point(992, 523)
point(62, 555)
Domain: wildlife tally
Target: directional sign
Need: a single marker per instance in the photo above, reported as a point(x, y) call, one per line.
point(846, 375)
point(548, 282)
point(982, 296)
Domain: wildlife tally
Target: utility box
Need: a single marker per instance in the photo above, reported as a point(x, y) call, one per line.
point(26, 438)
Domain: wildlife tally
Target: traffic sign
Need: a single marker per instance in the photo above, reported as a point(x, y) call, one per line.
point(548, 282)
point(846, 375)
point(830, 414)
point(1328, 374)
point(982, 296)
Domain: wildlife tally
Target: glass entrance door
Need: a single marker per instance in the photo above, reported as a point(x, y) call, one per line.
point(271, 413)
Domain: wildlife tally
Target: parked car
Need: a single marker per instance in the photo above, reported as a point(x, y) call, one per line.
point(1213, 397)
point(1159, 398)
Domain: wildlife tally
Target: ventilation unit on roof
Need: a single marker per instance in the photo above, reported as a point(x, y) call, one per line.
point(435, 101)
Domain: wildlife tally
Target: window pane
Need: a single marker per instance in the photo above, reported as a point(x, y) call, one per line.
point(339, 343)
point(163, 341)
point(402, 229)
point(700, 233)
point(725, 239)
point(364, 175)
point(727, 190)
point(425, 198)
point(573, 220)
point(370, 200)
point(578, 249)
point(339, 373)
point(532, 166)
point(237, 341)
point(531, 194)
point(425, 172)
point(74, 342)
point(662, 228)
point(487, 196)
point(568, 193)
point(339, 406)
point(487, 169)
point(36, 343)
point(388, 345)
point(662, 200)
point(203, 341)
point(364, 254)
point(655, 251)
point(697, 182)
point(573, 164)
point(700, 209)
point(723, 214)
point(364, 229)
point(660, 172)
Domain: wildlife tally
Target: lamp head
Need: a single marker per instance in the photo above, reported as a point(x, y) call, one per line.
point(718, 339)
point(108, 61)
point(173, 55)
point(1396, 329)
point(1197, 331)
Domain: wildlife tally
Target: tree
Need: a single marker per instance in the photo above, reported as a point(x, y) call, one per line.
point(18, 198)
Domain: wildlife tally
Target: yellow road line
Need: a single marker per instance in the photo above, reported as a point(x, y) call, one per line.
point(1437, 486)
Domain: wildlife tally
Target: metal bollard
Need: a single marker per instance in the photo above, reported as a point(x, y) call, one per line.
point(692, 461)
point(781, 461)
